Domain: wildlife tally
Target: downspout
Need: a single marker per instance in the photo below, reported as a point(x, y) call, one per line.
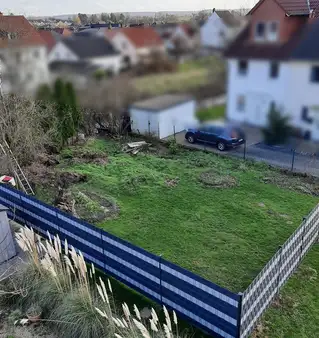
point(308, 3)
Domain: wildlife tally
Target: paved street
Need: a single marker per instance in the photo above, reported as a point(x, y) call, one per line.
point(276, 156)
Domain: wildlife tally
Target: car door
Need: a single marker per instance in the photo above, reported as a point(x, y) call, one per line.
point(203, 134)
point(213, 134)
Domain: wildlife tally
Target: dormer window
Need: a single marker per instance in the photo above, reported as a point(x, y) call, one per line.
point(260, 31)
point(272, 34)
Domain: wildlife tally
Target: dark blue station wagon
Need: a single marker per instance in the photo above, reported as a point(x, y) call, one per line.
point(224, 137)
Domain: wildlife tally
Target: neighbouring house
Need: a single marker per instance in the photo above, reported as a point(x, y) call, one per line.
point(77, 72)
point(162, 116)
point(23, 55)
point(95, 50)
point(220, 28)
point(174, 34)
point(63, 31)
point(135, 43)
point(50, 38)
point(274, 62)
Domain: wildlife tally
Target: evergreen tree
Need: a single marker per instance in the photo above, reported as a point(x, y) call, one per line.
point(64, 112)
point(278, 129)
point(75, 111)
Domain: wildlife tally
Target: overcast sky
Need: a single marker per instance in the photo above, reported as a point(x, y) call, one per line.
point(55, 7)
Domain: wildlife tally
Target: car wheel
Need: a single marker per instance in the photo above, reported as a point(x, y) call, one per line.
point(221, 146)
point(190, 139)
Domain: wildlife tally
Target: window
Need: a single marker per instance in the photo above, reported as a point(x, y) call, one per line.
point(315, 74)
point(305, 115)
point(241, 103)
point(242, 67)
point(29, 77)
point(36, 54)
point(272, 33)
point(274, 70)
point(260, 31)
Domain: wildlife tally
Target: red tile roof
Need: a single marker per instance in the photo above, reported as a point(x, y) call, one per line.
point(292, 7)
point(63, 31)
point(141, 36)
point(48, 38)
point(17, 31)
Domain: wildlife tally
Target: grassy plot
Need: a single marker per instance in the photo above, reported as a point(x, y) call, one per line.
point(190, 75)
point(218, 217)
point(210, 114)
point(296, 313)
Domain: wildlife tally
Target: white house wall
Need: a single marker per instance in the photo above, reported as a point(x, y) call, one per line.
point(258, 89)
point(291, 91)
point(112, 63)
point(125, 46)
point(212, 30)
point(61, 52)
point(181, 116)
point(29, 67)
point(303, 93)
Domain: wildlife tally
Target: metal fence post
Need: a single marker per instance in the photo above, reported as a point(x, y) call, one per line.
point(240, 306)
point(302, 238)
point(149, 128)
point(278, 269)
point(245, 150)
point(158, 130)
point(174, 133)
point(160, 277)
point(293, 159)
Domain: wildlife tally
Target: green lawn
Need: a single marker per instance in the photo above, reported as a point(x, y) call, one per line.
point(189, 75)
point(223, 234)
point(213, 113)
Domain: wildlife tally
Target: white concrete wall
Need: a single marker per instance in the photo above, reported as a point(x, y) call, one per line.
point(125, 46)
point(112, 63)
point(60, 52)
point(140, 119)
point(211, 32)
point(162, 123)
point(258, 89)
point(181, 116)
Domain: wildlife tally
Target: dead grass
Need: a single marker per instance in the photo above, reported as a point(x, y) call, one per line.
point(215, 180)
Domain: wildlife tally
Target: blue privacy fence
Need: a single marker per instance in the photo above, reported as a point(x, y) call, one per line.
point(207, 305)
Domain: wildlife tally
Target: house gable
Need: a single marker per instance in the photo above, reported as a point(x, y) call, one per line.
point(60, 52)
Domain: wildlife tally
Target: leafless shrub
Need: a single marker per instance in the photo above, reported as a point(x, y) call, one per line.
point(26, 125)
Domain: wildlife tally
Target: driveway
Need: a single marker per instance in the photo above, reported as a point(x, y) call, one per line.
point(302, 160)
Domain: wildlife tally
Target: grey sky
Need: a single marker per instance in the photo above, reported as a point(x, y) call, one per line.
point(50, 7)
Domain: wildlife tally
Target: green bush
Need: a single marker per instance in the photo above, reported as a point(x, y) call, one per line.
point(209, 114)
point(278, 129)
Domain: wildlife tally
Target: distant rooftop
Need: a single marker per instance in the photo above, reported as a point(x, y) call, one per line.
point(160, 103)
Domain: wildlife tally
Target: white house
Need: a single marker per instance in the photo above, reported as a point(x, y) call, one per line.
point(270, 65)
point(94, 49)
point(220, 28)
point(23, 56)
point(161, 116)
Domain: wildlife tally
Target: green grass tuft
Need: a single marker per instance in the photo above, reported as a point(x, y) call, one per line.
point(210, 114)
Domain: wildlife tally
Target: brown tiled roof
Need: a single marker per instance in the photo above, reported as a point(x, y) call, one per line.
point(142, 36)
point(292, 7)
point(48, 38)
point(20, 31)
point(228, 18)
point(243, 48)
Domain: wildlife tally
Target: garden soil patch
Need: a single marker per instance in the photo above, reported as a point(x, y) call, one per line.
point(215, 180)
